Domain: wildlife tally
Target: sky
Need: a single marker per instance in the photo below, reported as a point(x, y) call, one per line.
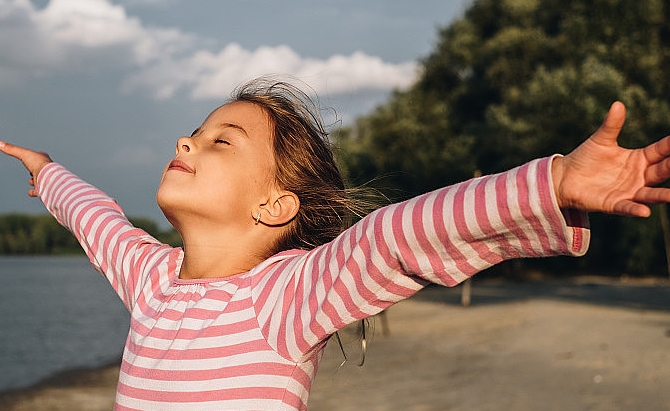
point(106, 87)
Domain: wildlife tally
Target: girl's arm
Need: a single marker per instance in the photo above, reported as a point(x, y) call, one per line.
point(441, 237)
point(445, 236)
point(117, 249)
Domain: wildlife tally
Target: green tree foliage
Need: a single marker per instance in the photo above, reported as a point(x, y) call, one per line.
point(27, 234)
point(30, 234)
point(519, 79)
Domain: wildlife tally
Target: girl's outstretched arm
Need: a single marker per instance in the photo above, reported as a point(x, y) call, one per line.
point(125, 254)
point(601, 176)
point(33, 161)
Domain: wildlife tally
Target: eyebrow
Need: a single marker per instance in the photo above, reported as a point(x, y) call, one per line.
point(225, 125)
point(235, 126)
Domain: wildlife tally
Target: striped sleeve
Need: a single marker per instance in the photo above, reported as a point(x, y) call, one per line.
point(123, 253)
point(441, 237)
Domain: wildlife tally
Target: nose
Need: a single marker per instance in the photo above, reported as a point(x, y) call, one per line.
point(184, 144)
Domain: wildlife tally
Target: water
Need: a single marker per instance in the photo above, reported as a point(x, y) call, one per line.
point(56, 314)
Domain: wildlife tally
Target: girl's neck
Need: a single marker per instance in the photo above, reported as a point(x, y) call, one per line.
point(215, 262)
point(210, 254)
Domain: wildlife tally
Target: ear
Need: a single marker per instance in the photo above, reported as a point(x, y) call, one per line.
point(281, 208)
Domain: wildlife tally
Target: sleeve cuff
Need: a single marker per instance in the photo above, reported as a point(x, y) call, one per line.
point(574, 223)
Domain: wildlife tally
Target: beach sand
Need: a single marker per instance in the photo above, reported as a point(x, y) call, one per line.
point(580, 344)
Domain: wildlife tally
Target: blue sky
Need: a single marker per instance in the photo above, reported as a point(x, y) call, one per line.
point(106, 87)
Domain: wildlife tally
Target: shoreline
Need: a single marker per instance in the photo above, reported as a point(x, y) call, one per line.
point(93, 387)
point(574, 343)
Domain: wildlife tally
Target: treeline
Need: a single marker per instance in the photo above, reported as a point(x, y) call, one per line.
point(515, 80)
point(22, 234)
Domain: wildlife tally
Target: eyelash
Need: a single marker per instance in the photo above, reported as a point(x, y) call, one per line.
point(218, 140)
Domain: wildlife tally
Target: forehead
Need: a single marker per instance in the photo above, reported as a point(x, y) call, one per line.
point(250, 117)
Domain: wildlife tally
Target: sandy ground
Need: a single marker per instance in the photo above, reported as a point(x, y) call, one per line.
point(587, 344)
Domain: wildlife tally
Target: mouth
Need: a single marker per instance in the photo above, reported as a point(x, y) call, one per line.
point(179, 165)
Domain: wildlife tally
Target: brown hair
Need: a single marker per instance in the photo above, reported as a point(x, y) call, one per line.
point(304, 163)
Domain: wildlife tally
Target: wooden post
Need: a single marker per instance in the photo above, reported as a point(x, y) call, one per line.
point(466, 292)
point(665, 225)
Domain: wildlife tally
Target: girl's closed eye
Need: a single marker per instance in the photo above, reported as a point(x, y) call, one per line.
point(221, 141)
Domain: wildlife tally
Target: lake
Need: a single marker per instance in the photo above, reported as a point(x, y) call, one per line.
point(57, 313)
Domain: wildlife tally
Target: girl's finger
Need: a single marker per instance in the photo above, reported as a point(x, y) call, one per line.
point(658, 172)
point(657, 151)
point(609, 130)
point(653, 195)
point(631, 209)
point(12, 150)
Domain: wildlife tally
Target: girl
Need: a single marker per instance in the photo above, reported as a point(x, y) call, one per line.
point(239, 318)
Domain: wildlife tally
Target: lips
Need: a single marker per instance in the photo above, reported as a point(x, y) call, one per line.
point(179, 165)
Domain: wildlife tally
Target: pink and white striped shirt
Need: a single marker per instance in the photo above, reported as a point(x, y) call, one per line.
point(253, 341)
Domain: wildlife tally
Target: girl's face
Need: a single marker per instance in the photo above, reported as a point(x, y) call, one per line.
point(224, 171)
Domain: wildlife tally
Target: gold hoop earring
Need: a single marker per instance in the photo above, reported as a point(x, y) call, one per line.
point(258, 218)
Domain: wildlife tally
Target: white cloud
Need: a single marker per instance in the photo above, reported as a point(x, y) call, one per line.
point(90, 23)
point(75, 35)
point(96, 35)
point(214, 75)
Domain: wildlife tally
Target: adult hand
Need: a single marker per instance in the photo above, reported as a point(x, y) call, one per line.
point(601, 176)
point(34, 161)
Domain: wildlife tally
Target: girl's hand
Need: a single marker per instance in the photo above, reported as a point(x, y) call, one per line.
point(32, 160)
point(601, 176)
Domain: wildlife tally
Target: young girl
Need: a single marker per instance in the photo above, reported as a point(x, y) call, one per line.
point(239, 318)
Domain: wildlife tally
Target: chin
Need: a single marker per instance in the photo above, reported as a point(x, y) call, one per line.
point(175, 205)
point(167, 203)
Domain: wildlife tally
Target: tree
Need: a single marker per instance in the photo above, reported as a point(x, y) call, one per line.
point(41, 234)
point(519, 79)
point(26, 234)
